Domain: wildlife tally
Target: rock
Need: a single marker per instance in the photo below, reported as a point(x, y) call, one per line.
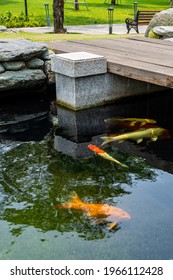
point(164, 31)
point(50, 75)
point(23, 65)
point(3, 28)
point(25, 78)
point(47, 55)
point(35, 63)
point(2, 69)
point(16, 123)
point(163, 18)
point(20, 49)
point(14, 65)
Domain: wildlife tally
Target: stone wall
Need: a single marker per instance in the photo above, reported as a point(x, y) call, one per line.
point(24, 64)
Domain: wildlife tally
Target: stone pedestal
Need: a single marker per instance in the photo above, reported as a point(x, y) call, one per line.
point(80, 79)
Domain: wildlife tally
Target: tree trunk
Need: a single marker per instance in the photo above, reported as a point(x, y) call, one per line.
point(58, 15)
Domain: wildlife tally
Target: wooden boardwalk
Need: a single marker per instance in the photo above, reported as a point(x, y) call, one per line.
point(139, 58)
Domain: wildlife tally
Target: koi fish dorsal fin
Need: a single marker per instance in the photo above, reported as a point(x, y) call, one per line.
point(74, 199)
point(132, 123)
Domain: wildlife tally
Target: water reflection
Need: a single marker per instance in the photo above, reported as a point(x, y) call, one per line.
point(41, 176)
point(78, 129)
point(39, 173)
point(24, 119)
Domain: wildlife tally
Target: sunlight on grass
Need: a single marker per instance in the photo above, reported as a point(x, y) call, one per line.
point(97, 13)
point(50, 37)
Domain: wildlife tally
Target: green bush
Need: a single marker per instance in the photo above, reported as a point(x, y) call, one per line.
point(9, 20)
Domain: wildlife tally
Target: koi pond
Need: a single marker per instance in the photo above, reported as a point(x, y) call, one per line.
point(45, 162)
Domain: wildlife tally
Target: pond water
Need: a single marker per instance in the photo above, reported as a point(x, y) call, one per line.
point(42, 165)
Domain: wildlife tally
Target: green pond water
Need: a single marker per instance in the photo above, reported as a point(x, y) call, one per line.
point(41, 166)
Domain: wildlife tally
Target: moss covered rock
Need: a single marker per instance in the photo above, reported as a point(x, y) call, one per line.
point(163, 18)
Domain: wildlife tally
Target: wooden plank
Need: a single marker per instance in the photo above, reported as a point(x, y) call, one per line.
point(134, 51)
point(157, 42)
point(65, 47)
point(139, 54)
point(155, 76)
point(154, 43)
point(120, 63)
point(128, 46)
point(73, 47)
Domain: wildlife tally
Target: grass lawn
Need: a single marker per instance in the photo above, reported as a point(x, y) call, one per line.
point(97, 13)
point(54, 37)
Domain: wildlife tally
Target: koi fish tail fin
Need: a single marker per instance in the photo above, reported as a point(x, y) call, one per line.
point(124, 165)
point(112, 225)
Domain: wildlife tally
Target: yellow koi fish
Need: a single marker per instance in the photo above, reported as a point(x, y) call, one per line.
point(101, 211)
point(103, 154)
point(139, 135)
point(132, 121)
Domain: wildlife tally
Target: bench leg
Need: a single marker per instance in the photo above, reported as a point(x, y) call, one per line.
point(128, 28)
point(136, 28)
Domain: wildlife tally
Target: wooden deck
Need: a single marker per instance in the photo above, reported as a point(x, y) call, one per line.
point(139, 58)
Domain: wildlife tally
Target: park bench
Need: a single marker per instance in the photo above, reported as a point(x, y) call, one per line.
point(142, 17)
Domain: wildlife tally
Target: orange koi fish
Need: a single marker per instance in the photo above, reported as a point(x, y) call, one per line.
point(103, 154)
point(109, 213)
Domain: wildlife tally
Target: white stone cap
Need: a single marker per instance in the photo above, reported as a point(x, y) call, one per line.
point(78, 56)
point(164, 30)
point(79, 64)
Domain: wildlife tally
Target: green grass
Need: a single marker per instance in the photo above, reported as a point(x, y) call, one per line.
point(55, 37)
point(97, 13)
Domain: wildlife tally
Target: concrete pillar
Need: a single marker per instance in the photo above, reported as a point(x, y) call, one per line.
point(82, 81)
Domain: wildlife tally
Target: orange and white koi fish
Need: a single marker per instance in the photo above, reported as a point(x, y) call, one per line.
point(132, 121)
point(105, 155)
point(139, 135)
point(101, 211)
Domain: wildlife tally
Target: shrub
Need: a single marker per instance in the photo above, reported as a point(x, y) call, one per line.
point(21, 20)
